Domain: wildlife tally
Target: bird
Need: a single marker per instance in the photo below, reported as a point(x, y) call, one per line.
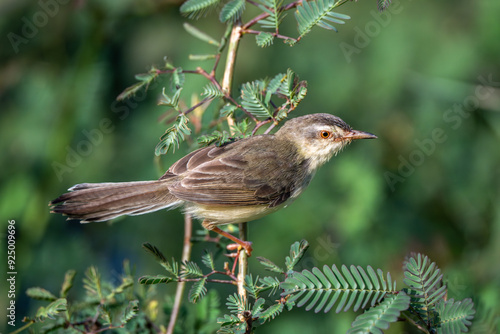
point(236, 182)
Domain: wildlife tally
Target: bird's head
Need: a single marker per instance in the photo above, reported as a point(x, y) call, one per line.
point(320, 136)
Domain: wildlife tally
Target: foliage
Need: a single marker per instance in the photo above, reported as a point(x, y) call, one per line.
point(449, 321)
point(105, 305)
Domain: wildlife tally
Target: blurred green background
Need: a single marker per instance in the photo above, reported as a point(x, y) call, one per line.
point(423, 76)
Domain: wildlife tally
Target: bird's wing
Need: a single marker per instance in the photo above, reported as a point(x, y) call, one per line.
point(249, 175)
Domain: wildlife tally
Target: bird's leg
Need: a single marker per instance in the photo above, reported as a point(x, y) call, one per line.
point(247, 245)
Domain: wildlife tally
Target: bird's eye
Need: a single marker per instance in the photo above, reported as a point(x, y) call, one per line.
point(325, 134)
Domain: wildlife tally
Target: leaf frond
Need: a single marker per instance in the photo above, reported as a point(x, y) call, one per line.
point(172, 138)
point(197, 8)
point(198, 290)
point(379, 318)
point(276, 15)
point(455, 316)
point(264, 39)
point(351, 287)
point(232, 11)
point(157, 279)
point(251, 95)
point(318, 13)
point(426, 288)
point(297, 251)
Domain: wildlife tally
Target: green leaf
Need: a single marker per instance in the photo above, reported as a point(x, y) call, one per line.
point(217, 137)
point(201, 57)
point(297, 251)
point(198, 290)
point(208, 260)
point(379, 317)
point(269, 265)
point(148, 279)
point(197, 8)
point(200, 35)
point(455, 316)
point(211, 91)
point(228, 319)
point(239, 129)
point(351, 287)
point(171, 268)
point(264, 39)
point(271, 283)
point(383, 4)
point(40, 294)
point(236, 304)
point(69, 279)
point(232, 11)
point(92, 283)
point(51, 311)
point(251, 96)
point(173, 101)
point(178, 79)
point(251, 287)
point(426, 288)
point(318, 12)
point(173, 136)
point(130, 311)
point(190, 269)
point(227, 110)
point(271, 312)
point(105, 315)
point(145, 80)
point(273, 8)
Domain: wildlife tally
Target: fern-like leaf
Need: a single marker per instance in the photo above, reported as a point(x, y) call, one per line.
point(217, 137)
point(273, 8)
point(92, 283)
point(271, 312)
point(171, 268)
point(318, 12)
point(426, 288)
point(251, 96)
point(149, 280)
point(381, 316)
point(173, 136)
point(208, 260)
point(351, 287)
point(383, 4)
point(197, 8)
point(269, 283)
point(50, 311)
point(297, 251)
point(270, 265)
point(211, 91)
point(198, 290)
point(264, 39)
point(145, 79)
point(232, 11)
point(69, 278)
point(40, 294)
point(191, 269)
point(455, 316)
point(236, 304)
point(130, 311)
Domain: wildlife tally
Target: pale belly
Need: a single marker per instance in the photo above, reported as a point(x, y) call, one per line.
point(220, 215)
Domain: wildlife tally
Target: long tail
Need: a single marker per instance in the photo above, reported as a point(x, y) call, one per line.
point(95, 202)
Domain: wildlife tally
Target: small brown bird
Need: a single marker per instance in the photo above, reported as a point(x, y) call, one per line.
point(237, 182)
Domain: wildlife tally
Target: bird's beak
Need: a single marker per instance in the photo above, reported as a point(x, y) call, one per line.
point(355, 134)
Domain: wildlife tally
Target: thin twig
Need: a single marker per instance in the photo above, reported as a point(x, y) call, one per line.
point(186, 255)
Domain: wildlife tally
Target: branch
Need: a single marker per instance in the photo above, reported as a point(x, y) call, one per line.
point(186, 254)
